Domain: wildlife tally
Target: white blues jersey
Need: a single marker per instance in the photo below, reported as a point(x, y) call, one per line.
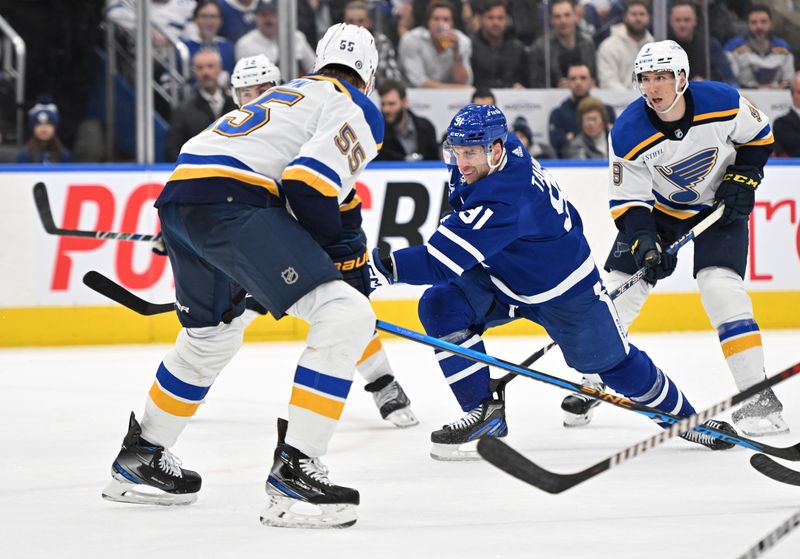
point(678, 171)
point(517, 225)
point(316, 130)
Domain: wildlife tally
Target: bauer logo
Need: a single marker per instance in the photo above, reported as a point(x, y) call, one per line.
point(289, 275)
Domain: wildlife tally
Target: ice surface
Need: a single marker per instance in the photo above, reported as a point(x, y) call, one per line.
point(63, 413)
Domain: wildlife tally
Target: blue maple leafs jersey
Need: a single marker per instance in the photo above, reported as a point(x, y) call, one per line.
point(517, 225)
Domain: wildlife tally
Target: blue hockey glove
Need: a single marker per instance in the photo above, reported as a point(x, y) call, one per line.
point(737, 191)
point(647, 251)
point(349, 255)
point(381, 270)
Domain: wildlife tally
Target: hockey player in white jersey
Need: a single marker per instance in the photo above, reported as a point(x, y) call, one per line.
point(253, 76)
point(676, 151)
point(224, 218)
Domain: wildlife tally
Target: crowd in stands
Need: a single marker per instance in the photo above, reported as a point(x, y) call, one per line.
point(478, 44)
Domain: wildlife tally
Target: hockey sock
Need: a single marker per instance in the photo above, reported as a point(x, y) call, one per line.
point(741, 346)
point(374, 363)
point(468, 380)
point(637, 378)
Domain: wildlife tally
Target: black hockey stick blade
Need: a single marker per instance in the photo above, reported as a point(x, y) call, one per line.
point(770, 468)
point(42, 201)
point(104, 286)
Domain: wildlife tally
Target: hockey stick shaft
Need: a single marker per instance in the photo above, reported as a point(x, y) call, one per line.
point(42, 201)
point(704, 224)
point(512, 462)
point(768, 541)
point(792, 453)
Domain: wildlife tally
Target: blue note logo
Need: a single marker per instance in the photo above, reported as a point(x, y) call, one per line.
point(687, 173)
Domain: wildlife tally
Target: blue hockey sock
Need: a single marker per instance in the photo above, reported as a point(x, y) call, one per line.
point(468, 380)
point(637, 378)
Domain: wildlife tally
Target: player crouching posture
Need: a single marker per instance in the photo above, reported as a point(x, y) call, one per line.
point(514, 248)
point(674, 152)
point(226, 229)
point(253, 76)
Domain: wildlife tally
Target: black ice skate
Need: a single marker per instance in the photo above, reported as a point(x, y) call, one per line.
point(145, 473)
point(708, 440)
point(392, 402)
point(487, 420)
point(761, 415)
point(296, 478)
point(579, 408)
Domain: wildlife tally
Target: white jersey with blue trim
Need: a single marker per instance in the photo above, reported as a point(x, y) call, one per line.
point(515, 223)
point(315, 129)
point(679, 174)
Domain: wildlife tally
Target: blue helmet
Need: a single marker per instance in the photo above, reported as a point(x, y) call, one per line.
point(477, 125)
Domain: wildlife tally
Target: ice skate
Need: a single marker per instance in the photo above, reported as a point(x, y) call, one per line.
point(487, 420)
point(145, 473)
point(392, 402)
point(707, 440)
point(761, 415)
point(296, 482)
point(579, 408)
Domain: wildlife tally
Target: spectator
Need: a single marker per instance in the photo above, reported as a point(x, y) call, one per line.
point(483, 96)
point(683, 18)
point(761, 60)
point(787, 127)
point(206, 103)
point(406, 137)
point(204, 32)
point(563, 119)
point(592, 140)
point(616, 54)
point(171, 15)
point(522, 130)
point(238, 18)
point(437, 55)
point(526, 19)
point(44, 145)
point(498, 59)
point(357, 13)
point(264, 39)
point(598, 16)
point(567, 47)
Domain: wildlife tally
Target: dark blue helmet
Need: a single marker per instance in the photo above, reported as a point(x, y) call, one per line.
point(477, 125)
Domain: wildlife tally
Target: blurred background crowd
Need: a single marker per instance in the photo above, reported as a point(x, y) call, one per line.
point(77, 73)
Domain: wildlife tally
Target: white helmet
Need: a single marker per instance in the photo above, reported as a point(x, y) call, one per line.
point(253, 70)
point(662, 56)
point(351, 46)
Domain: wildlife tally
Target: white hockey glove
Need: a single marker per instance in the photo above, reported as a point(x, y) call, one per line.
point(381, 270)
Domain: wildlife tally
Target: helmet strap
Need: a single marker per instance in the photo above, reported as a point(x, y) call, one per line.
point(493, 168)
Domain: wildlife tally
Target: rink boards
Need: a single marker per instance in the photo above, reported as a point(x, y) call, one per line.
point(43, 302)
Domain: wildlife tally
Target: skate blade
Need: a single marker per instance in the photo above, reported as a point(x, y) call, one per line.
point(772, 424)
point(403, 418)
point(278, 513)
point(577, 420)
point(124, 492)
point(466, 452)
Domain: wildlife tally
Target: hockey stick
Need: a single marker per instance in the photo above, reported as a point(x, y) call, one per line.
point(512, 462)
point(788, 453)
point(768, 541)
point(46, 216)
point(704, 224)
point(114, 291)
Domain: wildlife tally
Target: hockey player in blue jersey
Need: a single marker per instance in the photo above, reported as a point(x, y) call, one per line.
point(514, 248)
point(677, 150)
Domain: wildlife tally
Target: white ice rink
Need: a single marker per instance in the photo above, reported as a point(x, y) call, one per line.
point(64, 412)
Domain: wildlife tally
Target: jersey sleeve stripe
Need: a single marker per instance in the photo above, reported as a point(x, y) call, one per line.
point(190, 172)
point(769, 140)
point(435, 253)
point(311, 178)
point(474, 252)
point(351, 204)
point(643, 145)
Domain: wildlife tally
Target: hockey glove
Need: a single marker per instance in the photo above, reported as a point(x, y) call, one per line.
point(349, 255)
point(647, 252)
point(738, 192)
point(381, 270)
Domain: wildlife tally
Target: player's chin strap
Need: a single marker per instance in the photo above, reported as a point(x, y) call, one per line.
point(678, 95)
point(503, 157)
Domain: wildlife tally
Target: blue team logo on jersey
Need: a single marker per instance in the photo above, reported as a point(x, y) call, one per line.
point(687, 173)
